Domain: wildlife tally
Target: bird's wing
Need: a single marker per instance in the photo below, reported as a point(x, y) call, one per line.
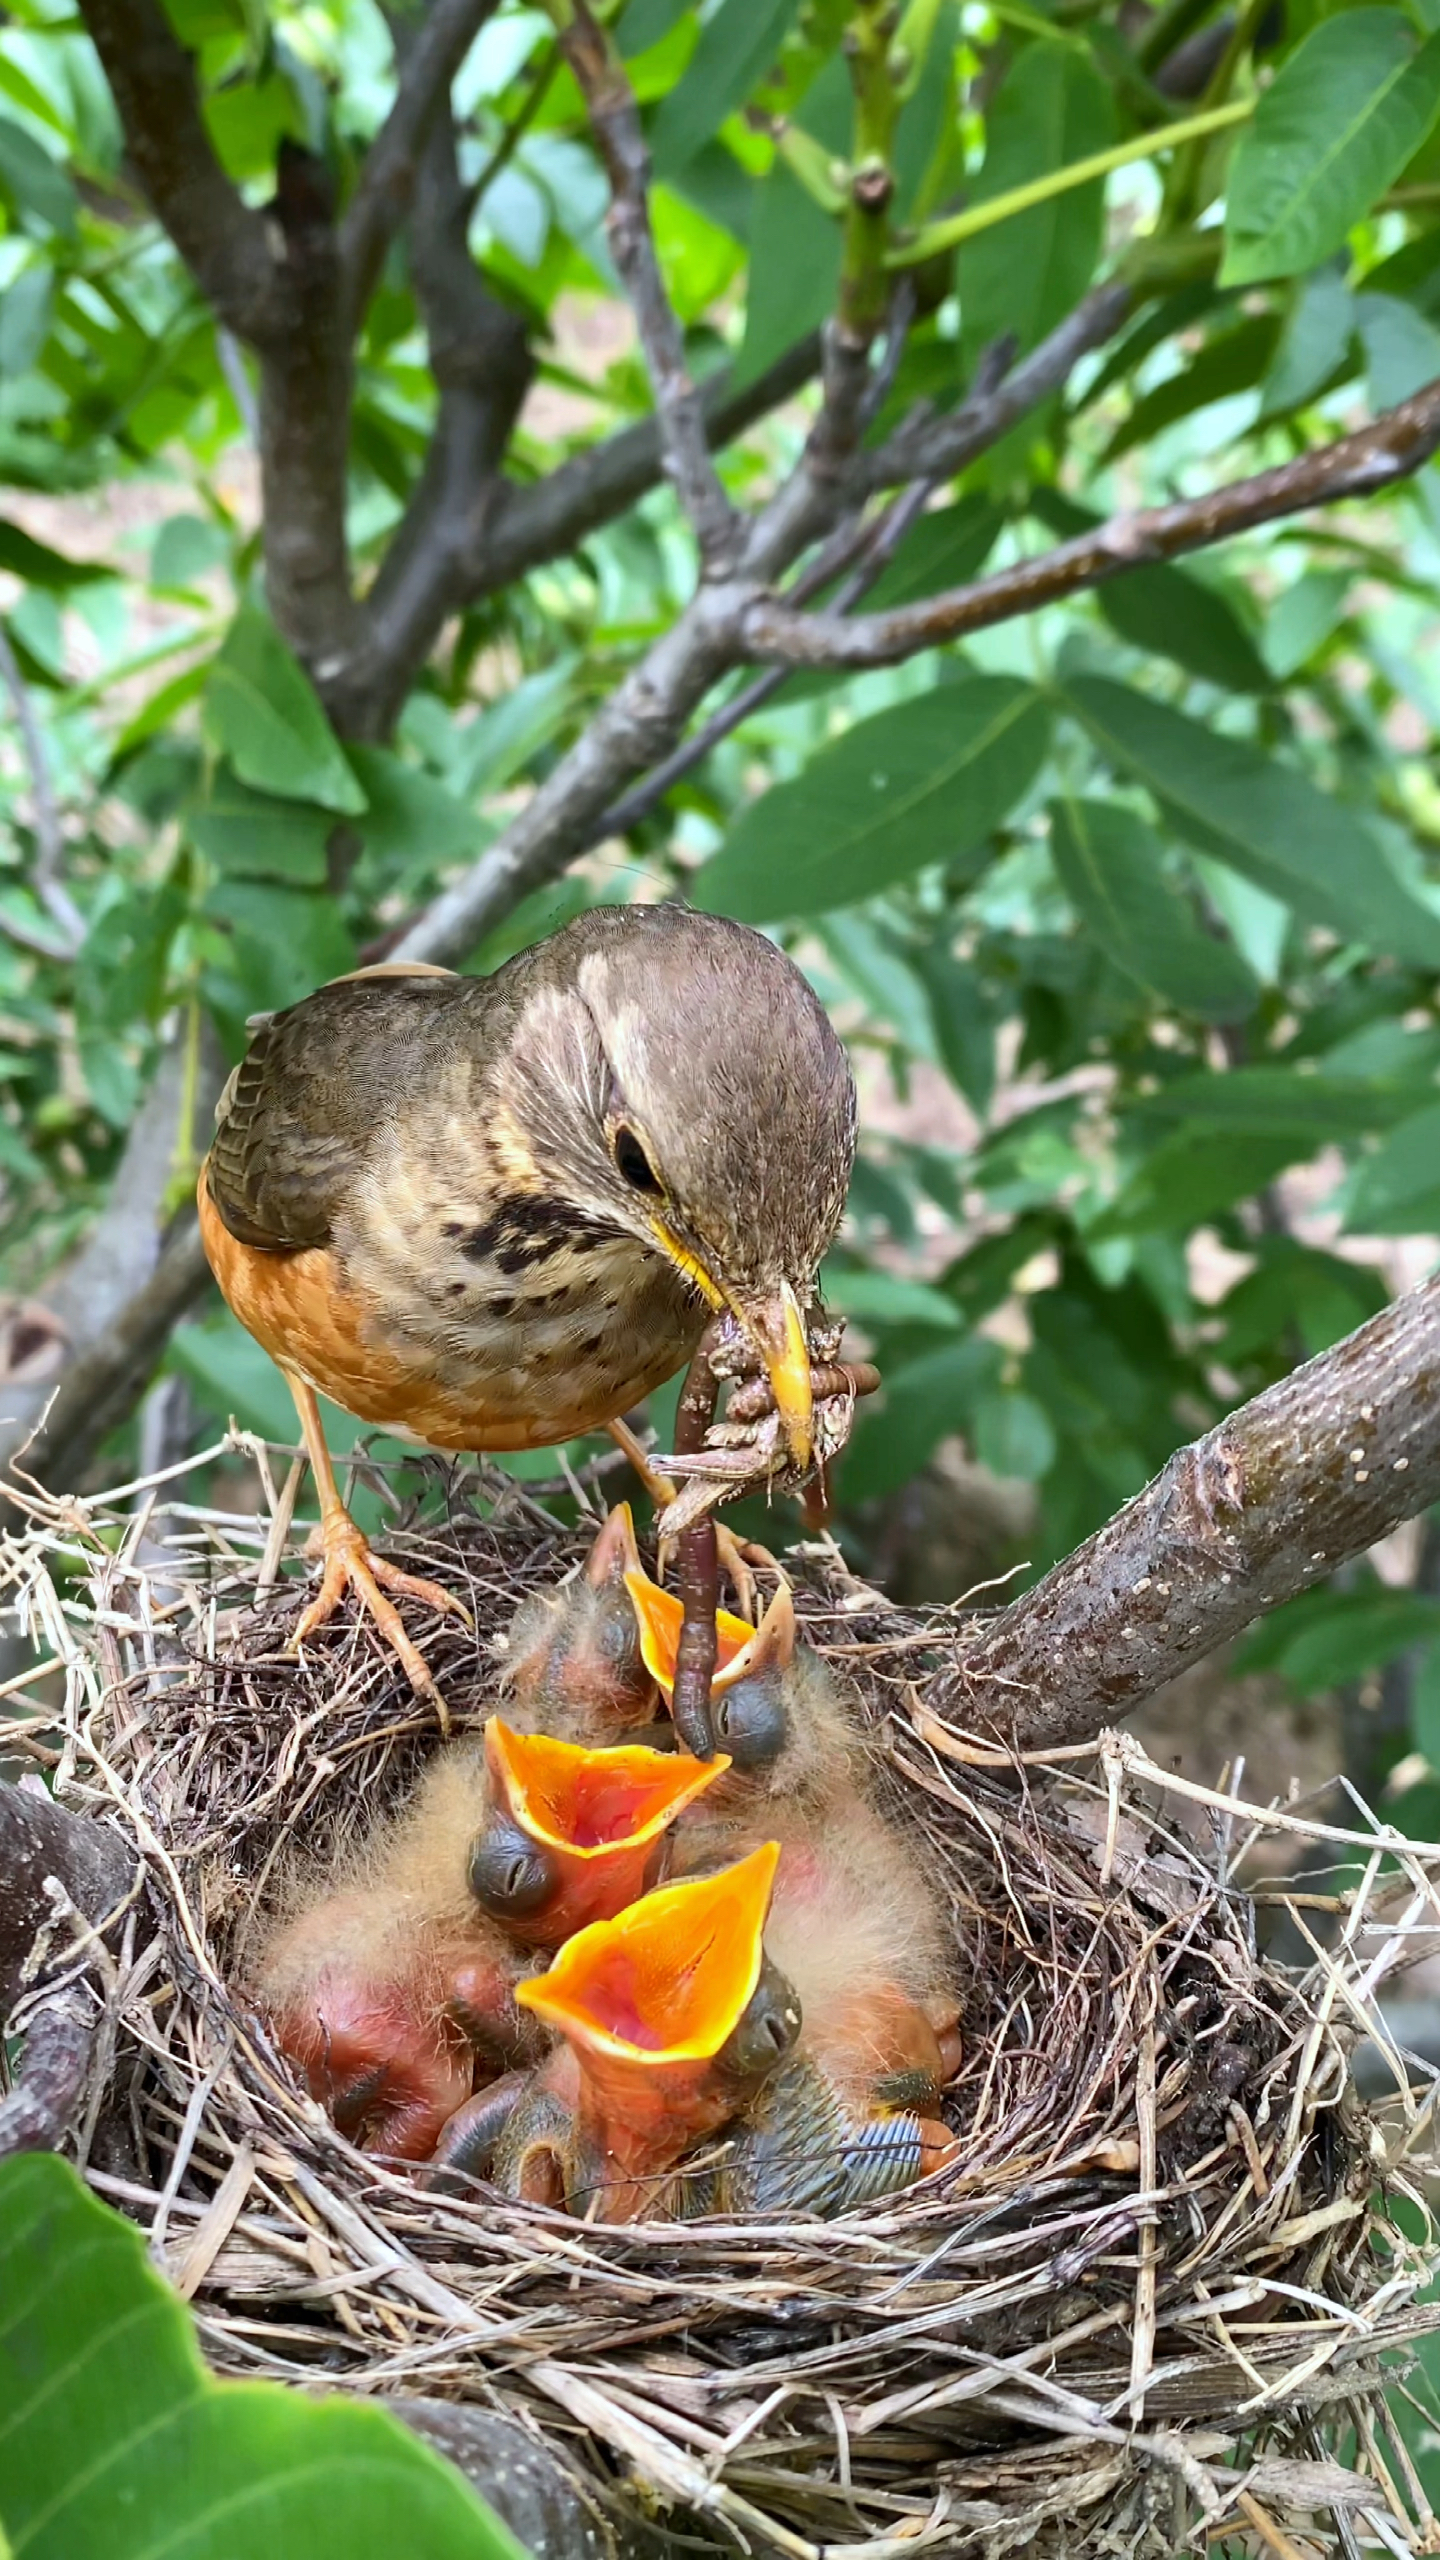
point(294, 1121)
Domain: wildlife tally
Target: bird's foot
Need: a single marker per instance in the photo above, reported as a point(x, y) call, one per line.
point(351, 1564)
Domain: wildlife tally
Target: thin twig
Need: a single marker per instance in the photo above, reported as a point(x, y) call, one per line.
point(615, 121)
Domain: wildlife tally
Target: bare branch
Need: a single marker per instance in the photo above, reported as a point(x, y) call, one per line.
point(222, 241)
point(60, 2045)
point(1389, 449)
point(430, 58)
point(552, 517)
point(1313, 1471)
point(931, 448)
point(39, 1840)
point(48, 875)
point(879, 547)
point(115, 1304)
point(615, 122)
point(480, 358)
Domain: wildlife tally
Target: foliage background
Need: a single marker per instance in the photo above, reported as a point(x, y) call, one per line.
point(1130, 908)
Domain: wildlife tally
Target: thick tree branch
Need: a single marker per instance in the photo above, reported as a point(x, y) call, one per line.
point(615, 123)
point(1389, 449)
point(221, 240)
point(429, 61)
point(1313, 1471)
point(306, 378)
point(480, 358)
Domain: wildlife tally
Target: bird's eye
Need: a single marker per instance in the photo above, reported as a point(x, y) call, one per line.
point(632, 1162)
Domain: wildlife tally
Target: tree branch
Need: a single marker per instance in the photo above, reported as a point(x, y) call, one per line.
point(554, 515)
point(306, 378)
point(1389, 449)
point(223, 242)
point(480, 358)
point(615, 123)
point(117, 1301)
point(1313, 1471)
point(929, 448)
point(47, 878)
point(429, 61)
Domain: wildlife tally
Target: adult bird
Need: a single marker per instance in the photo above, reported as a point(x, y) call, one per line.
point(493, 1213)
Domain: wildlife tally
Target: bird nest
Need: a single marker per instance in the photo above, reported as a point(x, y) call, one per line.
point(1156, 2301)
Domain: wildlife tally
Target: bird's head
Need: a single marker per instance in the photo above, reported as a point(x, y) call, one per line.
point(573, 1835)
point(675, 1077)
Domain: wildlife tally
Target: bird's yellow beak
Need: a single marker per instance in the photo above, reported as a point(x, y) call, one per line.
point(777, 1329)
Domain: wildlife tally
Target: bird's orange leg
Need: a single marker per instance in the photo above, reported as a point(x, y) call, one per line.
point(350, 1564)
point(736, 1554)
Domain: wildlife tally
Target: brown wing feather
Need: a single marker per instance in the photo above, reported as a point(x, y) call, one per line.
point(294, 1119)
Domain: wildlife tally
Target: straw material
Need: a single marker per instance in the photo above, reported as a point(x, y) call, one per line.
point(1146, 2308)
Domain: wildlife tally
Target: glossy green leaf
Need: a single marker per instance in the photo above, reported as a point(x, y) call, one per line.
point(284, 941)
point(1313, 345)
point(921, 1405)
point(411, 821)
point(1425, 1704)
point(1027, 273)
point(25, 311)
point(21, 556)
point(1396, 1191)
point(1111, 867)
point(926, 782)
point(261, 711)
point(882, 1298)
point(1328, 1637)
point(1264, 817)
point(1233, 360)
point(794, 242)
point(1332, 131)
point(34, 184)
point(945, 547)
point(737, 46)
point(1013, 1435)
point(116, 2444)
point(1192, 1176)
point(252, 835)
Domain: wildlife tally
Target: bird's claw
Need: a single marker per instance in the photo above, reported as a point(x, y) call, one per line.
point(350, 1564)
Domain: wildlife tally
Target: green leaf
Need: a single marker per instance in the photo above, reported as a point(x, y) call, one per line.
point(116, 2443)
point(1024, 276)
point(1166, 611)
point(285, 941)
point(250, 835)
point(501, 740)
point(882, 1298)
point(1235, 359)
point(1012, 1435)
point(737, 47)
point(922, 1404)
point(1313, 345)
point(1334, 129)
point(187, 548)
point(412, 822)
point(794, 242)
point(1396, 1191)
point(23, 557)
point(927, 781)
point(25, 308)
point(261, 711)
point(1425, 1704)
point(1111, 868)
point(1263, 817)
point(1192, 1177)
point(944, 548)
point(33, 182)
point(1328, 1637)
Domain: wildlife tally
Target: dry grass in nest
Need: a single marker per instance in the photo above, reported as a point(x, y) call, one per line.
point(1149, 2306)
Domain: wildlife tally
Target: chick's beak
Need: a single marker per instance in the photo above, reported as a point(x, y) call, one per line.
point(777, 1328)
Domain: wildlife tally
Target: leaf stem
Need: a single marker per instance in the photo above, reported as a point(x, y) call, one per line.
point(1056, 182)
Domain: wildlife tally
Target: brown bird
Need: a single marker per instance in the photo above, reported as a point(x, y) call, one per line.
point(670, 2016)
point(492, 1213)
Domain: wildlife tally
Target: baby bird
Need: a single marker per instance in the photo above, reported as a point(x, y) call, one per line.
point(854, 1924)
point(573, 1665)
point(392, 1991)
point(670, 2018)
point(569, 1835)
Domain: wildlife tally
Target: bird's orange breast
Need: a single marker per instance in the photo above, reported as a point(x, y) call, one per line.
point(317, 1325)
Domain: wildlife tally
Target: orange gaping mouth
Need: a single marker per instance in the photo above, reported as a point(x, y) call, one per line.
point(591, 1805)
point(670, 1979)
point(741, 1648)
